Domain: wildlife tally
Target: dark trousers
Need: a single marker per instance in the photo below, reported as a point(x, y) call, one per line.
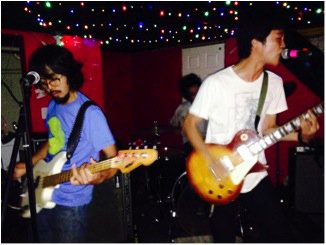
point(63, 224)
point(263, 206)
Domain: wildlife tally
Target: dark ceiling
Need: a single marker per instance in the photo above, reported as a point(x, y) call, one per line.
point(132, 26)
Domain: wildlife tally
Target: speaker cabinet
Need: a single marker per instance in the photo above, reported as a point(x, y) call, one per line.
point(306, 179)
point(110, 219)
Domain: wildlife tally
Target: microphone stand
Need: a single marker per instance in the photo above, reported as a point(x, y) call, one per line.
point(23, 132)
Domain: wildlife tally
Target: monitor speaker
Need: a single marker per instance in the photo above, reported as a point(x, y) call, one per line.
point(306, 179)
point(110, 219)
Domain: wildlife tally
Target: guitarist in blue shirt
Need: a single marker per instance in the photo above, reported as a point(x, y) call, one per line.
point(229, 99)
point(61, 78)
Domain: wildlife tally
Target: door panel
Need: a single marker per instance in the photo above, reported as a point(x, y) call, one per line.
point(203, 60)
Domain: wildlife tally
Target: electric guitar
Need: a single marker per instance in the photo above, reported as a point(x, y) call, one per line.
point(236, 160)
point(48, 176)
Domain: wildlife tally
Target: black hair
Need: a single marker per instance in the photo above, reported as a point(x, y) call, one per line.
point(257, 24)
point(188, 81)
point(61, 61)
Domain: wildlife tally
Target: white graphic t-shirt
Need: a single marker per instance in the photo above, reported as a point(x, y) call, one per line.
point(230, 104)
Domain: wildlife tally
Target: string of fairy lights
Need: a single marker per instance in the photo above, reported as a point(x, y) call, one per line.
point(155, 23)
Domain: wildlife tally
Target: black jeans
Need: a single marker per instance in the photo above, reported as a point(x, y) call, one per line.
point(265, 210)
point(63, 224)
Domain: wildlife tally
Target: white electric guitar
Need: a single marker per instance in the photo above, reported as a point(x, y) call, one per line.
point(48, 176)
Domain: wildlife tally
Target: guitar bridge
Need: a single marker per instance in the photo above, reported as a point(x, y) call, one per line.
point(227, 163)
point(221, 168)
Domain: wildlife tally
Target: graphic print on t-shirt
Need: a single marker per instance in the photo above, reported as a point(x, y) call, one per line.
point(245, 111)
point(57, 141)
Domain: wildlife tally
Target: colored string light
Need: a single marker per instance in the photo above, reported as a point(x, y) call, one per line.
point(202, 19)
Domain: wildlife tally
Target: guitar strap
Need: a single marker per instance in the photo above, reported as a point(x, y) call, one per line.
point(76, 131)
point(262, 97)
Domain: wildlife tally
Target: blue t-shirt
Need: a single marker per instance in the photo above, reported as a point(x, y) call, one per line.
point(95, 135)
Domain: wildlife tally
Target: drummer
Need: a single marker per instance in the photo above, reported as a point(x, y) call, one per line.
point(188, 87)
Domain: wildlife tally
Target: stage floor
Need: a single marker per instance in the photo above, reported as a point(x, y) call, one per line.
point(164, 210)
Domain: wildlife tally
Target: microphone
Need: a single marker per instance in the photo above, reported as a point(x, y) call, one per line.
point(32, 77)
point(293, 53)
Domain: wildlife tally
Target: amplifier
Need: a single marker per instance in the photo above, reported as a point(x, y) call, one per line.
point(37, 140)
point(306, 179)
point(110, 216)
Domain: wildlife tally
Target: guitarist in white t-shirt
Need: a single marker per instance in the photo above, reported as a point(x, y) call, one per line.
point(229, 99)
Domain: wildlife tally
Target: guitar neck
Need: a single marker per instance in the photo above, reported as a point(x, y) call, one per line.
point(289, 127)
point(65, 176)
point(125, 161)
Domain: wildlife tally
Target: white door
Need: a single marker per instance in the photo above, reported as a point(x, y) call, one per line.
point(203, 60)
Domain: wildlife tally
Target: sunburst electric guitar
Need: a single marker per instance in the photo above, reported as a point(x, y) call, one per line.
point(236, 159)
point(48, 176)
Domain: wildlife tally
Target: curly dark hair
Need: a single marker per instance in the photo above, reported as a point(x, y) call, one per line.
point(188, 81)
point(61, 61)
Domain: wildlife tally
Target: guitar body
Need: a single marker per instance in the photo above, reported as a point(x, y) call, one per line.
point(219, 180)
point(227, 188)
point(43, 196)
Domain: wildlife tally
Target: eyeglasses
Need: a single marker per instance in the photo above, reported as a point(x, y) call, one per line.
point(46, 82)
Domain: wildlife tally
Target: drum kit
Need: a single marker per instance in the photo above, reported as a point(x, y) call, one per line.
point(162, 194)
point(159, 178)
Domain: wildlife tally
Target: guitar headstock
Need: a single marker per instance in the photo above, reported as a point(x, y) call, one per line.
point(134, 158)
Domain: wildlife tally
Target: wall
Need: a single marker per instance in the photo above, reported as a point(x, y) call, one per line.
point(32, 41)
point(10, 86)
point(142, 88)
point(118, 87)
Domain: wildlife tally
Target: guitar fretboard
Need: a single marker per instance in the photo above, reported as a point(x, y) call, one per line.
point(289, 127)
point(126, 161)
point(65, 176)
